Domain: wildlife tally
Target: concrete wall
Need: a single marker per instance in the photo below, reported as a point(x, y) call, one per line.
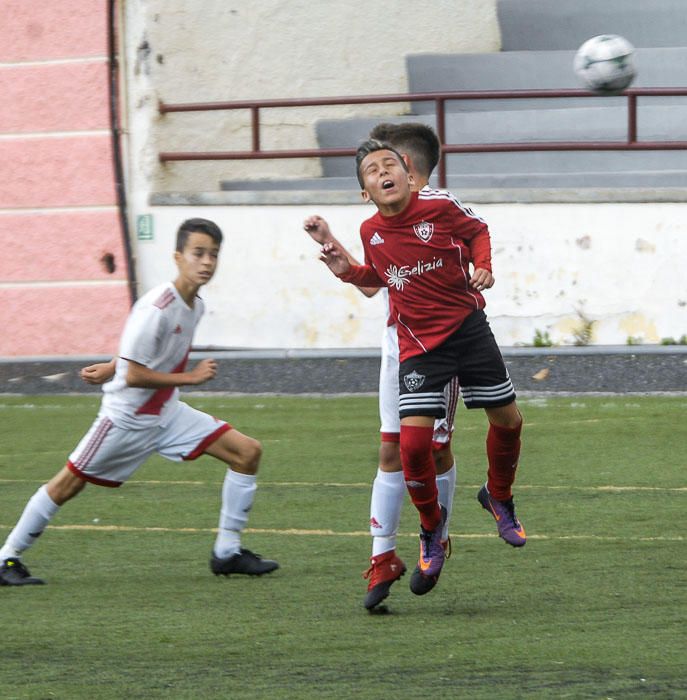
point(57, 202)
point(556, 264)
point(615, 264)
point(616, 267)
point(194, 51)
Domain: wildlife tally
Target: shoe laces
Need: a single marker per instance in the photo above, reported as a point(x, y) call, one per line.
point(426, 537)
point(375, 569)
point(510, 507)
point(248, 553)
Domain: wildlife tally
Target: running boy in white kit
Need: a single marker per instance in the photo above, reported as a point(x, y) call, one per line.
point(141, 414)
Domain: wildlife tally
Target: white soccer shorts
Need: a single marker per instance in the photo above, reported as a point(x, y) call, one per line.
point(108, 455)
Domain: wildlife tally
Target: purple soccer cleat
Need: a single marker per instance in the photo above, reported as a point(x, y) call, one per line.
point(509, 527)
point(431, 561)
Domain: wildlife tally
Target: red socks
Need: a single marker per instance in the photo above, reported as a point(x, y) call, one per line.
point(420, 473)
point(503, 452)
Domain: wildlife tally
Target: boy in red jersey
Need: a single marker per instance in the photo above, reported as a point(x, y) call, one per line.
point(420, 148)
point(420, 245)
point(141, 414)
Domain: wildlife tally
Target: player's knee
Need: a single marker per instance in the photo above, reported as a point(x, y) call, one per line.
point(443, 459)
point(416, 444)
point(390, 457)
point(249, 456)
point(505, 416)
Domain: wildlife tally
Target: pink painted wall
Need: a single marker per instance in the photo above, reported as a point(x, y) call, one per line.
point(34, 30)
point(63, 277)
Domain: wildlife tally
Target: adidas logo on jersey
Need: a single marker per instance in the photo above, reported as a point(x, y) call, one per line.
point(376, 239)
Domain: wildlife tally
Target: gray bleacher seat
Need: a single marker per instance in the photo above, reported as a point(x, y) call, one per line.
point(539, 39)
point(530, 70)
point(566, 24)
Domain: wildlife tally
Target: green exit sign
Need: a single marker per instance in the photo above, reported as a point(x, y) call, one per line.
point(144, 227)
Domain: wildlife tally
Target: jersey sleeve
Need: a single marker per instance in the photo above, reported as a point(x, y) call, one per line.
point(480, 249)
point(475, 232)
point(142, 335)
point(363, 276)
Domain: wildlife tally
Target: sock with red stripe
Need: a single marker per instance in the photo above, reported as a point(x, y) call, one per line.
point(420, 473)
point(503, 453)
point(388, 492)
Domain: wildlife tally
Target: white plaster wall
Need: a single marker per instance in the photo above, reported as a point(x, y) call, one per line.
point(618, 265)
point(218, 50)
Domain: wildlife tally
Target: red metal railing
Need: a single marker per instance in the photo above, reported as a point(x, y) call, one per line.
point(439, 99)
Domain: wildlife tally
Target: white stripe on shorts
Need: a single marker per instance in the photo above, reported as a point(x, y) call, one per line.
point(410, 402)
point(487, 394)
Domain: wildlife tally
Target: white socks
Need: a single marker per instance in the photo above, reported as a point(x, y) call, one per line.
point(388, 492)
point(446, 485)
point(238, 492)
point(38, 512)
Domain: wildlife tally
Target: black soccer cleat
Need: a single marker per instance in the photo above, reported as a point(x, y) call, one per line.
point(14, 573)
point(244, 562)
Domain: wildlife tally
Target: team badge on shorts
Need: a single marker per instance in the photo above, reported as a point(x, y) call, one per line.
point(423, 230)
point(414, 381)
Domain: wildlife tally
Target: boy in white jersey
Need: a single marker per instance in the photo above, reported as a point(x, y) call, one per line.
point(420, 148)
point(141, 414)
point(420, 245)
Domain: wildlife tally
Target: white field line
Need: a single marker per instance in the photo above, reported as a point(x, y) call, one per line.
point(607, 488)
point(357, 533)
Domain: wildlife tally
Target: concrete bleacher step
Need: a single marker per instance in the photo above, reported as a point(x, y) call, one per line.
point(655, 123)
point(532, 70)
point(566, 24)
point(539, 42)
point(527, 177)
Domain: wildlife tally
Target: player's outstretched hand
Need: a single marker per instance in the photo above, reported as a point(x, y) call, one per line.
point(335, 259)
point(204, 371)
point(318, 229)
point(482, 279)
point(98, 373)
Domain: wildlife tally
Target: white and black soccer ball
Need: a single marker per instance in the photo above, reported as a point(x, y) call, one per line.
point(605, 64)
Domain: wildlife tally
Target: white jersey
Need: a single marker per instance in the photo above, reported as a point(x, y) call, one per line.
point(157, 334)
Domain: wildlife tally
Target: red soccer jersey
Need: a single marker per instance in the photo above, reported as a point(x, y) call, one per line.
point(422, 256)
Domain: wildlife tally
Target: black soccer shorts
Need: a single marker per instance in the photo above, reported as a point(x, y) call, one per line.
point(472, 355)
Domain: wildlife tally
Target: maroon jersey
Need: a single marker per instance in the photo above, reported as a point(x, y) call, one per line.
point(422, 256)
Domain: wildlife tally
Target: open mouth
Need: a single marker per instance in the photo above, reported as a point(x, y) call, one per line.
point(387, 184)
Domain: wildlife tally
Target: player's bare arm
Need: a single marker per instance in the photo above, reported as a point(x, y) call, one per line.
point(143, 377)
point(98, 373)
point(334, 257)
point(481, 279)
point(319, 231)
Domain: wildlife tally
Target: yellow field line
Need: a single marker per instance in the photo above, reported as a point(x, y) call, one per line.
point(357, 533)
point(609, 488)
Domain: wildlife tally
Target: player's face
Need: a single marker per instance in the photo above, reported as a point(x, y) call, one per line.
point(198, 260)
point(386, 181)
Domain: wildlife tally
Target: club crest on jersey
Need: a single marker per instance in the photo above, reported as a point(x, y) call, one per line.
point(423, 230)
point(413, 381)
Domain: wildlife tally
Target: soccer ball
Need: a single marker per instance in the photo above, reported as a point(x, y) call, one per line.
point(605, 64)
